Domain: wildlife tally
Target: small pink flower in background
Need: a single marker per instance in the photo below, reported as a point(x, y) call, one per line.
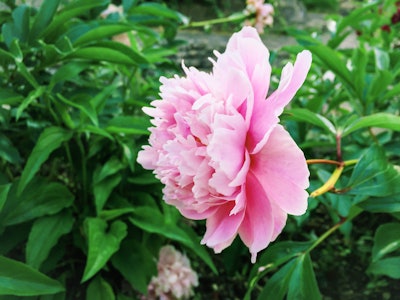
point(263, 14)
point(175, 279)
point(217, 146)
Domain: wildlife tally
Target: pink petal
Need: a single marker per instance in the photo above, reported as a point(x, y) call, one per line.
point(292, 78)
point(222, 228)
point(227, 144)
point(148, 158)
point(257, 228)
point(282, 168)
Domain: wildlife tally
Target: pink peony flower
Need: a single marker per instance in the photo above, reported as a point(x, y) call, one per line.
point(175, 279)
point(263, 14)
point(217, 146)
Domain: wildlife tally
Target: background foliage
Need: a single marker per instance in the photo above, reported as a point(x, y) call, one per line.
point(80, 219)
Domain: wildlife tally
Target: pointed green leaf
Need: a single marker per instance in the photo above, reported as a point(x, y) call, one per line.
point(4, 189)
point(103, 189)
point(389, 204)
point(296, 278)
point(103, 54)
point(99, 289)
point(7, 151)
point(9, 97)
point(153, 221)
point(386, 240)
point(277, 286)
point(387, 266)
point(101, 32)
point(135, 263)
point(19, 279)
point(21, 22)
point(44, 236)
point(70, 11)
point(38, 199)
point(129, 125)
point(67, 72)
point(84, 105)
point(50, 139)
point(373, 175)
point(331, 59)
point(303, 284)
point(33, 95)
point(305, 115)
point(103, 242)
point(115, 213)
point(44, 17)
point(381, 120)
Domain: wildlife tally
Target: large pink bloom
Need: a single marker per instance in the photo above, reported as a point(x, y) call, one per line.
point(217, 146)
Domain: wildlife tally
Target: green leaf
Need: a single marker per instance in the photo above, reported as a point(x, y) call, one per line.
point(21, 22)
point(387, 266)
point(105, 180)
point(50, 139)
point(279, 253)
point(358, 73)
point(305, 115)
point(43, 18)
point(382, 59)
point(135, 263)
point(386, 240)
point(33, 95)
point(9, 97)
point(103, 189)
point(111, 167)
point(7, 151)
point(99, 289)
point(152, 8)
point(129, 125)
point(103, 54)
point(381, 120)
point(303, 284)
point(102, 31)
point(70, 11)
point(44, 236)
point(115, 213)
point(19, 279)
point(84, 105)
point(151, 220)
point(374, 176)
point(4, 189)
point(103, 242)
point(67, 72)
point(96, 130)
point(296, 278)
point(278, 284)
point(379, 86)
point(38, 199)
point(389, 204)
point(331, 59)
point(24, 71)
point(144, 179)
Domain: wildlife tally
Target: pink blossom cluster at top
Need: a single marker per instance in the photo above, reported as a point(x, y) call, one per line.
point(263, 14)
point(175, 279)
point(217, 146)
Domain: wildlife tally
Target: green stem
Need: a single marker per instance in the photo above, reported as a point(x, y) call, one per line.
point(333, 229)
point(84, 171)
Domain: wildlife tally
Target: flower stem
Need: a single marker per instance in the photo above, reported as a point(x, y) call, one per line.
point(331, 230)
point(323, 161)
point(330, 183)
